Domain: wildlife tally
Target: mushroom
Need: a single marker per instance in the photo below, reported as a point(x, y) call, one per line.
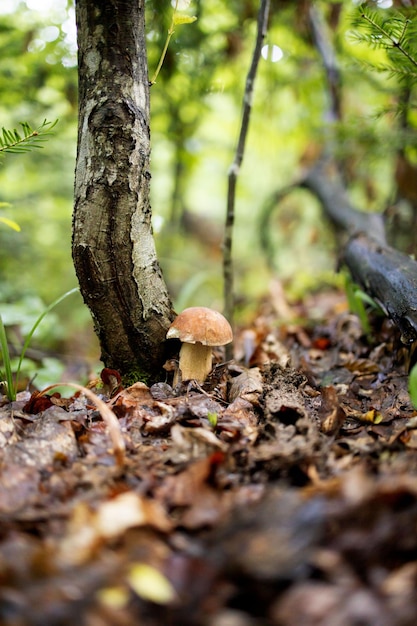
point(199, 329)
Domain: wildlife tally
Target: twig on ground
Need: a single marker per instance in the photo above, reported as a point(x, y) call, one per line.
point(119, 446)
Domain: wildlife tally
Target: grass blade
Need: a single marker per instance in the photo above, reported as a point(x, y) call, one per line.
point(11, 388)
point(35, 326)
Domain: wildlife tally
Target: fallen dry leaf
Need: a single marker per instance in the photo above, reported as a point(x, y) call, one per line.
point(231, 493)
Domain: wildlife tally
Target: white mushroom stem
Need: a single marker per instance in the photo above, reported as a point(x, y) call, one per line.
point(196, 362)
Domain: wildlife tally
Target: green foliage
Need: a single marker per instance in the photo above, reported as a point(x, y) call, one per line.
point(11, 383)
point(14, 142)
point(134, 376)
point(177, 19)
point(213, 418)
point(37, 81)
point(8, 222)
point(412, 385)
point(194, 117)
point(394, 32)
point(358, 301)
point(8, 383)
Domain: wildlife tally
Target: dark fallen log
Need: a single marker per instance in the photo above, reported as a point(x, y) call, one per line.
point(389, 277)
point(324, 181)
point(385, 274)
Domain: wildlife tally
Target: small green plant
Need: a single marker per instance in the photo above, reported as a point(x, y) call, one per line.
point(213, 419)
point(13, 141)
point(10, 382)
point(177, 19)
point(357, 301)
point(412, 385)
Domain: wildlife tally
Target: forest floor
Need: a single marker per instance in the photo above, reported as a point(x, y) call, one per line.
point(283, 493)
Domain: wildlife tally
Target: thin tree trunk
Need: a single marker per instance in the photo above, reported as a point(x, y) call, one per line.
point(113, 247)
point(234, 170)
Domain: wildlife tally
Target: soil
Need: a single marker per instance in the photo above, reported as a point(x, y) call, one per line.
point(282, 492)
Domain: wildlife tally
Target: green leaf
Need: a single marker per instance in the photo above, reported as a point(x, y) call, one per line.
point(213, 419)
point(412, 385)
point(356, 304)
point(10, 223)
point(183, 19)
point(36, 324)
point(13, 142)
point(4, 349)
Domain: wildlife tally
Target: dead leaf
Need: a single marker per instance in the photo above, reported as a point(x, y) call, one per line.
point(239, 422)
point(197, 442)
point(331, 413)
point(89, 527)
point(372, 416)
point(150, 416)
point(18, 487)
point(247, 385)
point(150, 584)
point(128, 510)
point(195, 501)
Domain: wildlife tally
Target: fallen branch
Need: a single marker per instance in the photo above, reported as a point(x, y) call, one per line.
point(385, 274)
point(325, 182)
point(390, 277)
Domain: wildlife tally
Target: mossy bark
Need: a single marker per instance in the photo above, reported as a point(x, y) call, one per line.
point(113, 247)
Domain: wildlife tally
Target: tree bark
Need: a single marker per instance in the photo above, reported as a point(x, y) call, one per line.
point(390, 277)
point(113, 247)
point(387, 275)
point(325, 182)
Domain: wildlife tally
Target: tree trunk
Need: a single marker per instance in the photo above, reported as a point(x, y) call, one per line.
point(113, 247)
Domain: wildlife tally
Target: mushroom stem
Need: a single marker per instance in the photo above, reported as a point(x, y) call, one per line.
point(195, 362)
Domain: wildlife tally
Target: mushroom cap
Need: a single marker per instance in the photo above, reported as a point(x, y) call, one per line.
point(198, 324)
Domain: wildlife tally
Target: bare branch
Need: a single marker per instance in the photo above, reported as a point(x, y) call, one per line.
point(235, 167)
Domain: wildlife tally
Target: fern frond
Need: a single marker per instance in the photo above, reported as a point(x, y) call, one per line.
point(14, 141)
point(394, 32)
point(393, 71)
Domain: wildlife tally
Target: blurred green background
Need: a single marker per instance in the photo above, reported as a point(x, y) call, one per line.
point(196, 109)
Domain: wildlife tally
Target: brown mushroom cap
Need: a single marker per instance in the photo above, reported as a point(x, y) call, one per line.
point(198, 324)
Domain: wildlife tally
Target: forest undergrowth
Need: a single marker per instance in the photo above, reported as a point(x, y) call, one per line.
point(282, 491)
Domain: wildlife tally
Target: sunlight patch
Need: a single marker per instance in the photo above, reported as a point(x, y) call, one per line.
point(272, 53)
point(382, 4)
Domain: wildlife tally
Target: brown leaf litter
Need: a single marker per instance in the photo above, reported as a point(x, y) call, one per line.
point(282, 492)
